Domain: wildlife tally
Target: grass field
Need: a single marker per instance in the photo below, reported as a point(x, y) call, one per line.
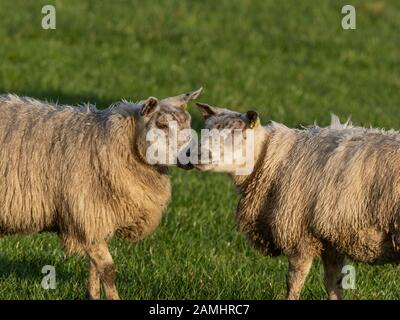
point(291, 60)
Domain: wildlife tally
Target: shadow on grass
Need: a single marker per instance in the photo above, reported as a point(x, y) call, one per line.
point(30, 268)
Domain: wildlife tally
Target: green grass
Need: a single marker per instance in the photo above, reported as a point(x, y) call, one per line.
point(289, 59)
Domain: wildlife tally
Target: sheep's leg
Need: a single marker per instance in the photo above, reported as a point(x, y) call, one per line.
point(299, 267)
point(93, 289)
point(333, 263)
point(101, 258)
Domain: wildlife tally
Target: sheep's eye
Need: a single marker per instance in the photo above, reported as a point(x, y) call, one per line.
point(162, 125)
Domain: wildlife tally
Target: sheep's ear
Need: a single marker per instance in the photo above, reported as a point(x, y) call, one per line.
point(149, 107)
point(254, 119)
point(182, 99)
point(192, 95)
point(206, 110)
point(189, 96)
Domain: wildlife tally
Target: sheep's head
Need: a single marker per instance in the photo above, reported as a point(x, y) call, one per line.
point(163, 128)
point(227, 140)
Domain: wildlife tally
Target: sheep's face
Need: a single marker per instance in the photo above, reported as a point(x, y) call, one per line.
point(227, 140)
point(163, 130)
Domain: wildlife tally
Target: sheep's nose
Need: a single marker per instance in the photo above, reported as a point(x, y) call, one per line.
point(188, 153)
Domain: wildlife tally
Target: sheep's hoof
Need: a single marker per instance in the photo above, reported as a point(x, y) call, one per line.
point(91, 296)
point(114, 296)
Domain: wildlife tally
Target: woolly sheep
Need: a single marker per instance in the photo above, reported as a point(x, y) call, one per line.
point(83, 173)
point(332, 192)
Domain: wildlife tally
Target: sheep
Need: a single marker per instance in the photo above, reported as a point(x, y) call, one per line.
point(331, 192)
point(84, 173)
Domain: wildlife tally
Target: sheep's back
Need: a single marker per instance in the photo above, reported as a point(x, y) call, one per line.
point(73, 170)
point(327, 185)
point(357, 203)
point(37, 142)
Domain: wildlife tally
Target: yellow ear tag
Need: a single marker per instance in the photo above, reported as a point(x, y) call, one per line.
point(184, 105)
point(254, 125)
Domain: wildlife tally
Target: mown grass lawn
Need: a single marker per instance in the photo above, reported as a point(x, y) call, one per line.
point(289, 59)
